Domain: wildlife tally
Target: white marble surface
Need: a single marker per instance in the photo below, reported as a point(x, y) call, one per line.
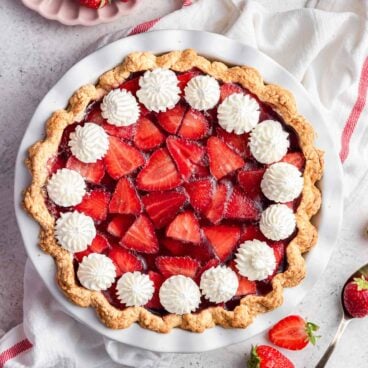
point(34, 55)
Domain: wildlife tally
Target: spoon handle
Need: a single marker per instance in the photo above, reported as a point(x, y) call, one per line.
point(326, 356)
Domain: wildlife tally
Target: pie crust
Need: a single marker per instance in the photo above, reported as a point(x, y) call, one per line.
point(279, 99)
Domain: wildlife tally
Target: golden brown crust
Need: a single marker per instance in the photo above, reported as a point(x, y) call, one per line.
point(278, 98)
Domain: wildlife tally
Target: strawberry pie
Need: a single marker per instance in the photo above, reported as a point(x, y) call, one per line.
point(176, 192)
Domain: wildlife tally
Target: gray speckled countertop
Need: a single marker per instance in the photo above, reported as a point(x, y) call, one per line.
point(35, 53)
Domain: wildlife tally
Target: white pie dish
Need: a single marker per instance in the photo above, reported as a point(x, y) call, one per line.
point(211, 46)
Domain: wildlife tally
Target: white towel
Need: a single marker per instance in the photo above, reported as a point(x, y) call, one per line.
point(324, 45)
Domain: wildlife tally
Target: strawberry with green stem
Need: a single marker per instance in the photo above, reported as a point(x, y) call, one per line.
point(293, 333)
point(356, 297)
point(264, 356)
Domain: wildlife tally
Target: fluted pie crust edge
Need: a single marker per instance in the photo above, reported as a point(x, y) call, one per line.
point(279, 99)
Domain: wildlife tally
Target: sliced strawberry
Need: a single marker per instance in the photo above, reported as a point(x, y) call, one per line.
point(141, 236)
point(95, 204)
point(94, 116)
point(147, 135)
point(279, 251)
point(80, 255)
point(55, 163)
point(98, 245)
point(92, 172)
point(121, 158)
point(185, 77)
point(223, 160)
point(200, 194)
point(295, 158)
point(194, 125)
point(169, 266)
point(240, 207)
point(125, 199)
point(171, 119)
point(185, 227)
point(235, 141)
point(162, 207)
point(250, 181)
point(185, 154)
point(160, 173)
point(131, 85)
point(293, 333)
point(251, 232)
point(119, 225)
point(124, 132)
point(223, 239)
point(157, 280)
point(124, 260)
point(245, 286)
point(200, 252)
point(228, 89)
point(202, 171)
point(216, 209)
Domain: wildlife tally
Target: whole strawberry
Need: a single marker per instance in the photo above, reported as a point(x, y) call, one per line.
point(264, 356)
point(356, 297)
point(293, 333)
point(94, 4)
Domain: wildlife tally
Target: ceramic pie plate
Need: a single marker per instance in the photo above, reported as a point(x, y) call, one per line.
point(70, 13)
point(231, 52)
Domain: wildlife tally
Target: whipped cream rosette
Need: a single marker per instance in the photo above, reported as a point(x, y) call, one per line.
point(282, 182)
point(134, 289)
point(238, 113)
point(219, 284)
point(120, 108)
point(66, 188)
point(255, 260)
point(89, 143)
point(202, 92)
point(180, 295)
point(74, 231)
point(269, 142)
point(96, 272)
point(159, 90)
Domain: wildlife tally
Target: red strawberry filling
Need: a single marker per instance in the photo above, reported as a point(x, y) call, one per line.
point(175, 194)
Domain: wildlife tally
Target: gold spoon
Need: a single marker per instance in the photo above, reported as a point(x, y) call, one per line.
point(345, 320)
